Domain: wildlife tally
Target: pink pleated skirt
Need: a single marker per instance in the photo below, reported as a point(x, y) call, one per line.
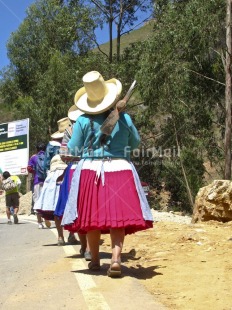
point(109, 200)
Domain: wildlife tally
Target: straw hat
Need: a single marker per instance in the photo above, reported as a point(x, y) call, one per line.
point(57, 163)
point(74, 113)
point(97, 95)
point(62, 125)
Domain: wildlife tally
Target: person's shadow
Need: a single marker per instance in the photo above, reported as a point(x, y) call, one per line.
point(139, 272)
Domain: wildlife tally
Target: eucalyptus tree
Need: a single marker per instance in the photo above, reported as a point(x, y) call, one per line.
point(55, 91)
point(228, 93)
point(124, 15)
point(50, 25)
point(44, 54)
point(181, 77)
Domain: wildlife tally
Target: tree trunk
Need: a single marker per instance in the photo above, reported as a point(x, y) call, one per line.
point(118, 43)
point(190, 196)
point(228, 94)
point(119, 30)
point(111, 40)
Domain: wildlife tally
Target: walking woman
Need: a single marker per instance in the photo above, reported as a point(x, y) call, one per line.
point(106, 194)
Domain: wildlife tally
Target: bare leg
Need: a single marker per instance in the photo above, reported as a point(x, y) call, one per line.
point(85, 250)
point(59, 227)
point(8, 213)
point(83, 241)
point(16, 220)
point(39, 218)
point(93, 238)
point(87, 245)
point(117, 238)
point(47, 223)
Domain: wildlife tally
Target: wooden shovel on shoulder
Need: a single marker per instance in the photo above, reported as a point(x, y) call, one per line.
point(110, 122)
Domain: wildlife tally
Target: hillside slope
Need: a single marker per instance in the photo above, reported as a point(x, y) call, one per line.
point(140, 34)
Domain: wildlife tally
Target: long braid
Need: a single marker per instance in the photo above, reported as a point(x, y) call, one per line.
point(103, 137)
point(90, 147)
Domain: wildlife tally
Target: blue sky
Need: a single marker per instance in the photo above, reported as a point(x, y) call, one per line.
point(12, 14)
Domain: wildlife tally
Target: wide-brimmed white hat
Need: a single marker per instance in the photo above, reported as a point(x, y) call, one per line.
point(97, 95)
point(63, 123)
point(57, 163)
point(74, 113)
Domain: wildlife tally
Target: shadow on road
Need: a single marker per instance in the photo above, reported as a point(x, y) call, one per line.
point(52, 244)
point(140, 272)
point(144, 273)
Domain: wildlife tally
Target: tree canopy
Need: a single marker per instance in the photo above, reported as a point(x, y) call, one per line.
point(178, 105)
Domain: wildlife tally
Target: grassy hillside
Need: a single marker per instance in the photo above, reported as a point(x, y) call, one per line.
point(140, 34)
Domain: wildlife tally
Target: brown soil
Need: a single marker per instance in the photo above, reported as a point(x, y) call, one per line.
point(186, 267)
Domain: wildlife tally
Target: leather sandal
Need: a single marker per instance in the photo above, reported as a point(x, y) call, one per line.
point(94, 266)
point(115, 270)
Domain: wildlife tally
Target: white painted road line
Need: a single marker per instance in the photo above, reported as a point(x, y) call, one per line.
point(94, 300)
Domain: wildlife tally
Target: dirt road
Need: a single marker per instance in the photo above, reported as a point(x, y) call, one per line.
point(180, 265)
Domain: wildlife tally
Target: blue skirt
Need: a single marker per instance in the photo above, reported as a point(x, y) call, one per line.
point(64, 190)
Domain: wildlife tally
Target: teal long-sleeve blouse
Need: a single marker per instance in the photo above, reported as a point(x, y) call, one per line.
point(85, 140)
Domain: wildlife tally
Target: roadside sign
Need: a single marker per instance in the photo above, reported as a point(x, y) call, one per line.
point(14, 146)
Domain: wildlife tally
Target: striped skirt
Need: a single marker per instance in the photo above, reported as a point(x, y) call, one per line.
point(107, 196)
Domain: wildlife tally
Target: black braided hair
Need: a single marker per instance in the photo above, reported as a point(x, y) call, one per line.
point(103, 137)
point(90, 147)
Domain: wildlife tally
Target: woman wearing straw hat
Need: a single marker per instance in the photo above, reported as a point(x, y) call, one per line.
point(106, 194)
point(66, 156)
point(53, 146)
point(47, 201)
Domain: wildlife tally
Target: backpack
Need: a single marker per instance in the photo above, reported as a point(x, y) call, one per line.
point(8, 184)
point(39, 168)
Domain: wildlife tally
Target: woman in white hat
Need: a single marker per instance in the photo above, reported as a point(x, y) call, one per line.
point(47, 201)
point(66, 156)
point(53, 146)
point(106, 194)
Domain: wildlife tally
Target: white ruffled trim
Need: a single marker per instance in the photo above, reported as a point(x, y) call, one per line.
point(147, 215)
point(105, 165)
point(110, 165)
point(50, 192)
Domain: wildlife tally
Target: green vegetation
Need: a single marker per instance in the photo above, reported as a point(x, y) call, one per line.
point(179, 67)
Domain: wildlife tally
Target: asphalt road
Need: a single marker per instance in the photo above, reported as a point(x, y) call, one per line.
point(38, 274)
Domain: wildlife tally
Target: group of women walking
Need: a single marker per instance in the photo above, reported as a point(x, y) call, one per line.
point(99, 191)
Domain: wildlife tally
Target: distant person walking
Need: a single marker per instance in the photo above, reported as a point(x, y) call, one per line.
point(11, 184)
point(47, 201)
point(36, 167)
